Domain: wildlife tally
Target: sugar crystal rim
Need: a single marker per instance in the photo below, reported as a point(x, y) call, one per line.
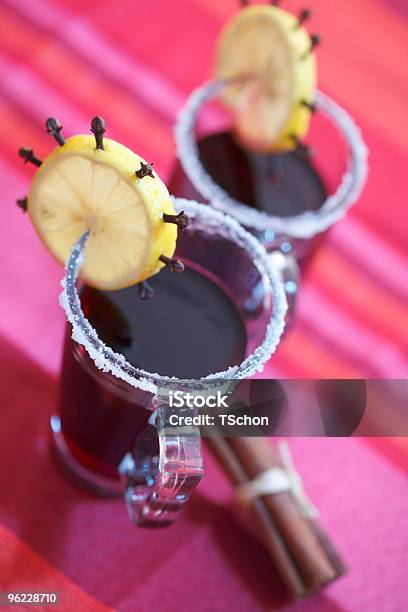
point(305, 225)
point(109, 361)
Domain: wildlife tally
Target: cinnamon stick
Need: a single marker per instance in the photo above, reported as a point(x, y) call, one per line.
point(304, 556)
point(268, 531)
point(329, 549)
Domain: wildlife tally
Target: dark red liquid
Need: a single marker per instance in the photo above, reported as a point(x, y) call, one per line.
point(189, 329)
point(282, 184)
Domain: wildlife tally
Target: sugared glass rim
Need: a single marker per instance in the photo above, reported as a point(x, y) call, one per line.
point(109, 361)
point(305, 225)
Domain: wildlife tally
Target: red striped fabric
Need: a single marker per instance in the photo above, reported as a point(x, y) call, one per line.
point(23, 570)
point(56, 58)
point(135, 62)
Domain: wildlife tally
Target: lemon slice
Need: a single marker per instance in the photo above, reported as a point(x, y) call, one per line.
point(79, 188)
point(268, 55)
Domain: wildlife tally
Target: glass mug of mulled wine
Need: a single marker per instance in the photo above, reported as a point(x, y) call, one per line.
point(282, 198)
point(123, 355)
point(252, 160)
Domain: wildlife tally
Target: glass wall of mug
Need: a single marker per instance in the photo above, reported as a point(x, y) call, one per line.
point(104, 413)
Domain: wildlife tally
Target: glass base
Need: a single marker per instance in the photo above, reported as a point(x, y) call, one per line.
point(75, 471)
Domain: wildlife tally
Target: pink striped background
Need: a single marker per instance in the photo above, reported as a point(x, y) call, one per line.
point(57, 59)
point(134, 62)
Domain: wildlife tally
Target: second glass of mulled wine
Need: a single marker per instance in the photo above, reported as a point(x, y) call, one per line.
point(288, 199)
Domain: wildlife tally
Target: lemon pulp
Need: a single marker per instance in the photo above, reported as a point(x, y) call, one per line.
point(80, 188)
point(266, 55)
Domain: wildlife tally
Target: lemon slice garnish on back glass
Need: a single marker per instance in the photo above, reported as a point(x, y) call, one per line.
point(80, 187)
point(268, 54)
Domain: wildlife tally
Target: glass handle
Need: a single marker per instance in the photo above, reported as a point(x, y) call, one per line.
point(157, 487)
point(288, 268)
